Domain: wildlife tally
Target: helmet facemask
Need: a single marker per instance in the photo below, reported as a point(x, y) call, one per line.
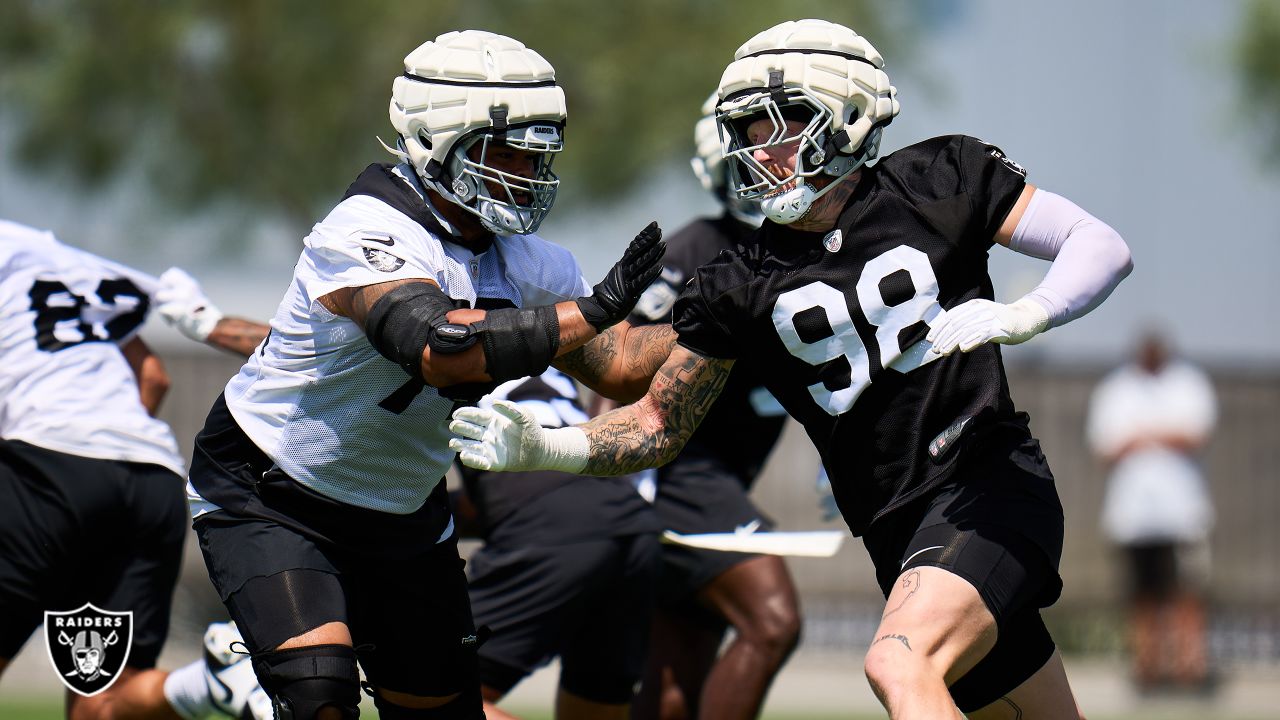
point(830, 72)
point(505, 202)
point(485, 93)
point(712, 171)
point(783, 200)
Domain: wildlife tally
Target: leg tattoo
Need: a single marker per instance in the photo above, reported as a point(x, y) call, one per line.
point(1017, 711)
point(900, 638)
point(912, 583)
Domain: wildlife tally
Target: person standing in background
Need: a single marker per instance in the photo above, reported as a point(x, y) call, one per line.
point(1148, 421)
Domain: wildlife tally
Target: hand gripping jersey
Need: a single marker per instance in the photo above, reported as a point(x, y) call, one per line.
point(320, 401)
point(64, 384)
point(835, 322)
point(744, 423)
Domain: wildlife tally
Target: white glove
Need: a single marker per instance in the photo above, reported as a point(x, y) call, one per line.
point(973, 323)
point(183, 304)
point(509, 438)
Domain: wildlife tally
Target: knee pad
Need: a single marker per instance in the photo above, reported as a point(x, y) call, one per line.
point(467, 706)
point(303, 680)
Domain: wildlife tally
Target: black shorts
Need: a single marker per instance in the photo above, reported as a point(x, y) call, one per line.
point(285, 559)
point(997, 524)
point(700, 495)
point(587, 602)
point(1153, 569)
point(76, 530)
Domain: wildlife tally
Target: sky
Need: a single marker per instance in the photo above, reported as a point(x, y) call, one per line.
point(1130, 109)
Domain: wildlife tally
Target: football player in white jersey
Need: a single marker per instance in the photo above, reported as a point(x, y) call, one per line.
point(866, 304)
point(91, 501)
point(316, 482)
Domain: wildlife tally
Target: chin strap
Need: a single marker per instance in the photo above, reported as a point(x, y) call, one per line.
point(797, 195)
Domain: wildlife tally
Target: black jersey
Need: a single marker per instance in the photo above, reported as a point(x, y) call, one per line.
point(745, 421)
point(835, 322)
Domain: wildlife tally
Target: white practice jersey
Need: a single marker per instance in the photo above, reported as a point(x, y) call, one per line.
point(64, 383)
point(310, 397)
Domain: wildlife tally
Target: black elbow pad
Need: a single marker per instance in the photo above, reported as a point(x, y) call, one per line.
point(404, 322)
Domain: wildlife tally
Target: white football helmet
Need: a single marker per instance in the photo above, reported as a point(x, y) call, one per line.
point(713, 172)
point(474, 87)
point(821, 73)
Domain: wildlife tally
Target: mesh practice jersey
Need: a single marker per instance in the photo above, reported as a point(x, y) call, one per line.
point(744, 423)
point(317, 397)
point(64, 384)
point(835, 322)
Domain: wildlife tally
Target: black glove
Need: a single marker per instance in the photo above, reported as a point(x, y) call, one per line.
point(611, 301)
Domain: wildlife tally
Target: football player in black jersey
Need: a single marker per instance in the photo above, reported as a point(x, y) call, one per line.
point(705, 490)
point(866, 299)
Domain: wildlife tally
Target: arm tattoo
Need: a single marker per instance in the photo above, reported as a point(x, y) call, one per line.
point(912, 583)
point(622, 356)
point(646, 348)
point(591, 362)
point(651, 431)
point(894, 636)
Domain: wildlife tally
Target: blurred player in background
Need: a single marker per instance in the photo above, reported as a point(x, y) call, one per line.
point(1148, 422)
point(567, 570)
point(865, 304)
point(316, 482)
point(91, 483)
point(705, 490)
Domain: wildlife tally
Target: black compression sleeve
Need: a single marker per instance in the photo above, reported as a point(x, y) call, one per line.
point(520, 342)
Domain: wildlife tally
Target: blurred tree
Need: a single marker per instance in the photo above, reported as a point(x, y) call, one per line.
point(1259, 62)
point(276, 104)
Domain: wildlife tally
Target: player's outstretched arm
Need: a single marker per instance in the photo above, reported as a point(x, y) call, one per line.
point(645, 434)
point(621, 361)
point(183, 304)
point(1089, 261)
point(413, 323)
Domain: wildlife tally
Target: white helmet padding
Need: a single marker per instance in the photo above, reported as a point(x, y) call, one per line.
point(826, 74)
point(474, 87)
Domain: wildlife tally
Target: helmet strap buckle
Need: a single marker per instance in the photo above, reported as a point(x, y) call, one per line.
point(498, 119)
point(776, 92)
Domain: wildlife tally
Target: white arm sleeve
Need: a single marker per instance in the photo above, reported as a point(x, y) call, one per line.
point(1089, 258)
